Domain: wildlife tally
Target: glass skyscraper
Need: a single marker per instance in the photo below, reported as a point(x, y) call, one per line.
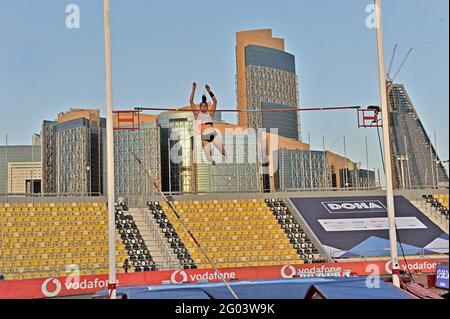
point(266, 79)
point(415, 160)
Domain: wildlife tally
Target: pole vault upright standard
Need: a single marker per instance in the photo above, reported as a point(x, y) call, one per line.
point(387, 149)
point(110, 155)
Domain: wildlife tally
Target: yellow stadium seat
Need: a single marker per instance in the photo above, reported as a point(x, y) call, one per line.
point(234, 229)
point(44, 236)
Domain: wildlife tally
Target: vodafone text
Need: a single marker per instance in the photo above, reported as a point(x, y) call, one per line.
point(85, 284)
point(180, 276)
point(52, 287)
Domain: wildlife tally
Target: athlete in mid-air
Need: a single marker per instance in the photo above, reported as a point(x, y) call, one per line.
point(204, 114)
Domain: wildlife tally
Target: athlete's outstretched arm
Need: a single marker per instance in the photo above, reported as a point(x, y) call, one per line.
point(191, 100)
point(214, 103)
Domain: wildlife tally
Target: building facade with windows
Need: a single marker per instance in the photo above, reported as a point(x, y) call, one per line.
point(19, 165)
point(73, 152)
point(415, 159)
point(266, 79)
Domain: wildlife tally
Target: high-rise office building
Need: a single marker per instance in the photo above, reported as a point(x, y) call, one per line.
point(48, 154)
point(185, 169)
point(302, 169)
point(266, 79)
point(79, 157)
point(73, 152)
point(131, 180)
point(415, 160)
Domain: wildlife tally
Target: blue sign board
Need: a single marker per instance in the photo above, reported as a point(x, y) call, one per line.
point(442, 276)
point(356, 226)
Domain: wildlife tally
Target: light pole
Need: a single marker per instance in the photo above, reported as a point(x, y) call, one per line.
point(6, 161)
point(438, 164)
point(402, 158)
point(32, 166)
point(367, 162)
point(437, 160)
point(387, 148)
point(325, 165)
point(311, 182)
point(433, 176)
point(407, 174)
point(33, 142)
point(408, 169)
point(88, 169)
point(346, 184)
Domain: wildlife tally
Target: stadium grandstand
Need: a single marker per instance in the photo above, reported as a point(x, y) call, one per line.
point(40, 240)
point(262, 215)
point(59, 239)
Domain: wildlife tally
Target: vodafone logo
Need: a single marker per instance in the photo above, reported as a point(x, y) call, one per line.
point(53, 292)
point(288, 271)
point(423, 266)
point(388, 267)
point(52, 287)
point(178, 277)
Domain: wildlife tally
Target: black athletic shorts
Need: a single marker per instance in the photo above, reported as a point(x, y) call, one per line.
point(209, 137)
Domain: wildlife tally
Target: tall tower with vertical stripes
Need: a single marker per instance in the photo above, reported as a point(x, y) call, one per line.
point(416, 162)
point(266, 78)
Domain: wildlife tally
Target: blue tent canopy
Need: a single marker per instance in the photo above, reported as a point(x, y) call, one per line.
point(181, 294)
point(330, 288)
point(358, 289)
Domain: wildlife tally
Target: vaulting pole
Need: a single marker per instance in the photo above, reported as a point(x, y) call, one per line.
point(183, 223)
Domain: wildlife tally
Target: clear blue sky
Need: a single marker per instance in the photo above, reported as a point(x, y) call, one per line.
point(160, 47)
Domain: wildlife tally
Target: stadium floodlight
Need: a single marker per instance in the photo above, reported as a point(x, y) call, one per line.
point(89, 171)
point(110, 153)
point(387, 147)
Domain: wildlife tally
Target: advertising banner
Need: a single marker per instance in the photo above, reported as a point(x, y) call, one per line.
point(442, 277)
point(358, 226)
point(73, 286)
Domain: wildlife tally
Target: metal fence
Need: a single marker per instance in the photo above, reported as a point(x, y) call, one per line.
point(140, 199)
point(102, 269)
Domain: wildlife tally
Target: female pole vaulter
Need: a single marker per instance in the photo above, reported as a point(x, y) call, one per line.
point(204, 114)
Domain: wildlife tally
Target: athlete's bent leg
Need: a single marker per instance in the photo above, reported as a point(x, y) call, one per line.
point(218, 144)
point(207, 148)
